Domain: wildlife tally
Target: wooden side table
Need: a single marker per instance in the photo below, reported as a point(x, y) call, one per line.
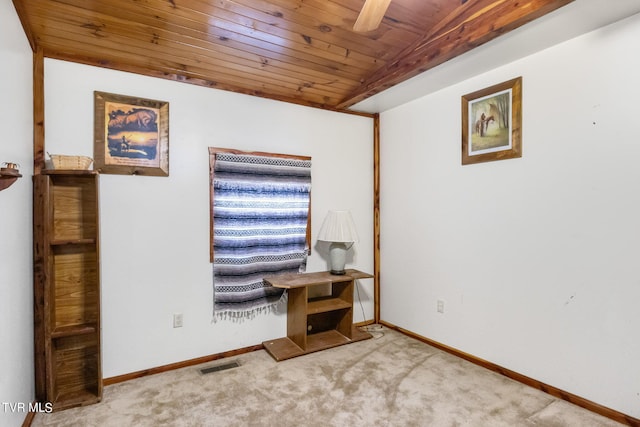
point(315, 324)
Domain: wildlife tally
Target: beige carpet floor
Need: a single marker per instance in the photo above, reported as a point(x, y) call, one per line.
point(392, 380)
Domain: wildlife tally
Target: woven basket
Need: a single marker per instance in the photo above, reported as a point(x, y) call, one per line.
point(70, 162)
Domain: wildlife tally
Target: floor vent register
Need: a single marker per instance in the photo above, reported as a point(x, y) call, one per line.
point(221, 367)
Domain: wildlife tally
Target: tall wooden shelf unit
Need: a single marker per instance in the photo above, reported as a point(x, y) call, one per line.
point(315, 324)
point(67, 288)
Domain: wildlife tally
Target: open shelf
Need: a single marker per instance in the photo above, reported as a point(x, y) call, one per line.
point(67, 288)
point(322, 305)
point(315, 324)
point(76, 362)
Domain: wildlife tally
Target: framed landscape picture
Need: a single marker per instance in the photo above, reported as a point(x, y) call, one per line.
point(492, 123)
point(131, 135)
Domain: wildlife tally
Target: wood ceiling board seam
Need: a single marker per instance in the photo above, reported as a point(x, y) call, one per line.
point(328, 70)
point(225, 76)
point(388, 37)
point(376, 48)
point(181, 78)
point(244, 43)
point(201, 60)
point(294, 31)
point(230, 29)
point(413, 18)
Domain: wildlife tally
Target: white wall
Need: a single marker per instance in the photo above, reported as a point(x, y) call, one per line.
point(16, 277)
point(155, 230)
point(535, 258)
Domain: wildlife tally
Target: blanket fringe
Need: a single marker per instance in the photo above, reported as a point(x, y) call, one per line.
point(238, 316)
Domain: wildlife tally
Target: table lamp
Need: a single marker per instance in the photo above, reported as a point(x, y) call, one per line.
point(339, 229)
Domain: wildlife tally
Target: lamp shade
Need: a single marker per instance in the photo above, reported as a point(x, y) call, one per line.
point(338, 226)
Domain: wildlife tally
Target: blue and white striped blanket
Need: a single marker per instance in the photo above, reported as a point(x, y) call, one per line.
point(260, 212)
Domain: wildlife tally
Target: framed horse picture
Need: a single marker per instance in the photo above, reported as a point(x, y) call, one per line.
point(131, 135)
point(492, 123)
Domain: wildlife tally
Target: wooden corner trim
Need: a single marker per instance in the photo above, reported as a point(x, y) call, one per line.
point(28, 419)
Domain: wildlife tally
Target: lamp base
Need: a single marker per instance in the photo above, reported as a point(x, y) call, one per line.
point(338, 272)
point(337, 256)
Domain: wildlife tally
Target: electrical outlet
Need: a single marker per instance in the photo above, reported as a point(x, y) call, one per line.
point(440, 306)
point(177, 320)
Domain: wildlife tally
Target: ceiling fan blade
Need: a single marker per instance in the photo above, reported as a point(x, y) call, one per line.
point(371, 15)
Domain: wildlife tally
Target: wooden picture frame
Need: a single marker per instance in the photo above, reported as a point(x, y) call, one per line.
point(492, 123)
point(131, 135)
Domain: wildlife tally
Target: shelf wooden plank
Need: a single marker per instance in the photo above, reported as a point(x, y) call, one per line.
point(358, 334)
point(71, 330)
point(282, 349)
point(68, 172)
point(6, 173)
point(73, 399)
point(355, 274)
point(323, 305)
point(324, 340)
point(333, 338)
point(7, 181)
point(8, 176)
point(62, 242)
point(298, 280)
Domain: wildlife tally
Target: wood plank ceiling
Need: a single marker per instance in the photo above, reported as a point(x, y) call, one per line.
point(300, 51)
